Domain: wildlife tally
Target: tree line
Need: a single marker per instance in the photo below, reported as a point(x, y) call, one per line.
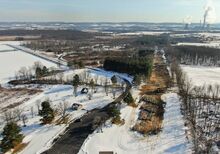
point(195, 55)
point(200, 107)
point(152, 40)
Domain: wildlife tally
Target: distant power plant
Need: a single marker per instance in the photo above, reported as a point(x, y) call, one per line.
point(209, 17)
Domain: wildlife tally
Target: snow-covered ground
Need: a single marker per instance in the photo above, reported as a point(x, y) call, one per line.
point(210, 44)
point(11, 62)
point(10, 42)
point(4, 48)
point(200, 75)
point(143, 33)
point(209, 39)
point(122, 140)
point(38, 137)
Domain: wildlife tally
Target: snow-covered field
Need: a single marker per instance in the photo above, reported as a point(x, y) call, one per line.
point(4, 48)
point(143, 33)
point(10, 62)
point(122, 140)
point(200, 75)
point(209, 39)
point(211, 44)
point(10, 42)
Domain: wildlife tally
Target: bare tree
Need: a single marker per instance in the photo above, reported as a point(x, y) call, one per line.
point(87, 76)
point(38, 104)
point(60, 77)
point(113, 92)
point(89, 95)
point(96, 78)
point(24, 119)
point(18, 112)
point(32, 112)
point(8, 116)
point(106, 86)
point(36, 65)
point(62, 108)
point(23, 73)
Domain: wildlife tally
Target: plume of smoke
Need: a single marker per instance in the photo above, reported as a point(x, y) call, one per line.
point(188, 20)
point(209, 15)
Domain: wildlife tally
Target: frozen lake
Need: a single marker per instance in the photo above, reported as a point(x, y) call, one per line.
point(10, 62)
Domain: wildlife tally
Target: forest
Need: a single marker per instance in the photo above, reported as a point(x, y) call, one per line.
point(132, 66)
point(48, 34)
point(153, 40)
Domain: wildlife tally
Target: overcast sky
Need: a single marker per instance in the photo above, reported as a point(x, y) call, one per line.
point(104, 10)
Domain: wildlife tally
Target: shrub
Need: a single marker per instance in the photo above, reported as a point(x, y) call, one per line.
point(129, 99)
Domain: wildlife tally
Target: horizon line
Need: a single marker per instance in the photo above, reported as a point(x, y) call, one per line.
point(122, 22)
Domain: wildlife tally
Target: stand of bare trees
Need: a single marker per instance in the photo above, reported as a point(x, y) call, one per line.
point(193, 55)
point(201, 109)
point(15, 115)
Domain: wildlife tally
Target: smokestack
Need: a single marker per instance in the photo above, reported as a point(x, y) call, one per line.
point(209, 15)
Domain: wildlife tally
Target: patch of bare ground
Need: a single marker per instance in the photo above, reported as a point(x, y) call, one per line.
point(19, 148)
point(11, 98)
point(152, 109)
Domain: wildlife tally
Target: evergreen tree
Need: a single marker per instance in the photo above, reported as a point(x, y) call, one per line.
point(129, 99)
point(11, 136)
point(38, 72)
point(76, 82)
point(132, 66)
point(47, 113)
point(137, 80)
point(114, 80)
point(45, 70)
point(113, 111)
point(81, 64)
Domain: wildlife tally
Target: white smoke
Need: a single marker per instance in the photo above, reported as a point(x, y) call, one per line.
point(210, 14)
point(188, 20)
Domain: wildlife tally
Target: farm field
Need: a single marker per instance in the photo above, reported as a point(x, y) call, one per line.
point(200, 75)
point(13, 61)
